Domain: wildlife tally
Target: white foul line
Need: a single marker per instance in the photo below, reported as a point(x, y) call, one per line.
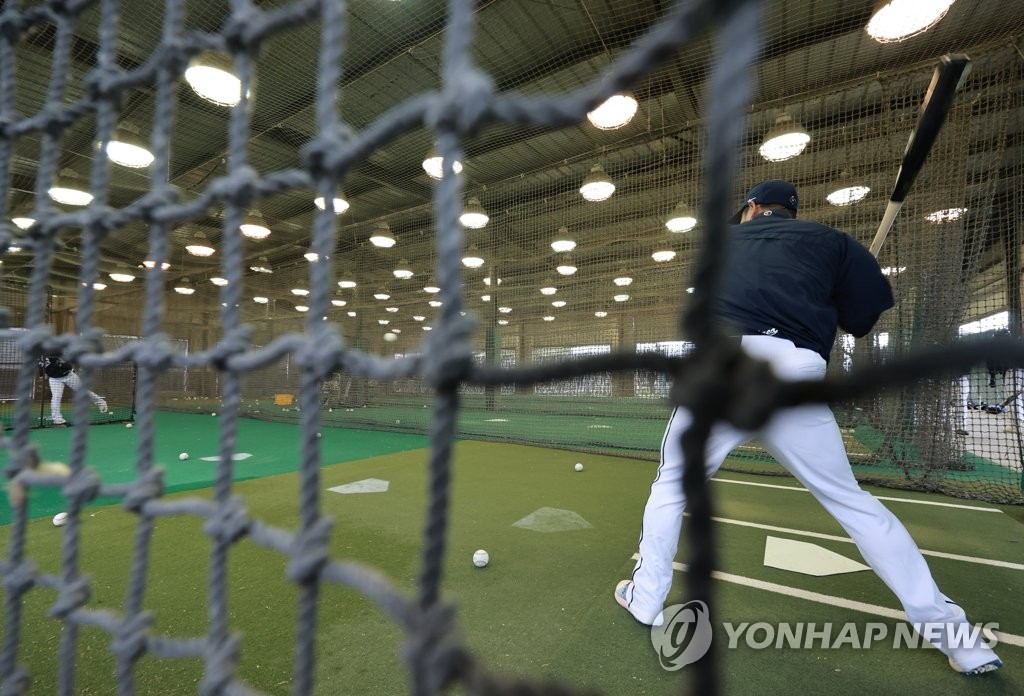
point(832, 537)
point(841, 602)
point(800, 489)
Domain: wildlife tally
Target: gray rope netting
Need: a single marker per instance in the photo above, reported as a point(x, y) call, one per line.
point(716, 376)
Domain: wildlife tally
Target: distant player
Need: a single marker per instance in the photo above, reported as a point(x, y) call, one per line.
point(788, 285)
point(60, 372)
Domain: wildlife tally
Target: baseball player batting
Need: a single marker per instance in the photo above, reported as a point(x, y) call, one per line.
point(789, 284)
point(60, 373)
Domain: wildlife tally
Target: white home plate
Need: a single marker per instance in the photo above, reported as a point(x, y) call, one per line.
point(237, 456)
point(807, 558)
point(548, 519)
point(370, 485)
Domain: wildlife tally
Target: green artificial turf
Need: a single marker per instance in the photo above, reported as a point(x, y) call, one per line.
point(543, 608)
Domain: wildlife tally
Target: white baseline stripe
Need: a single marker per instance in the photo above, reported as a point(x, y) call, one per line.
point(841, 602)
point(800, 489)
point(833, 537)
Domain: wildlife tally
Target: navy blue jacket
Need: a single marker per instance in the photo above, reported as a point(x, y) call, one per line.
point(799, 280)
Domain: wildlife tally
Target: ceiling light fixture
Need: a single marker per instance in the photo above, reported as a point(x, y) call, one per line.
point(382, 237)
point(566, 268)
point(435, 303)
point(898, 20)
point(262, 267)
point(150, 263)
point(199, 247)
point(847, 195)
point(402, 270)
point(340, 204)
point(431, 287)
point(260, 300)
point(23, 222)
point(122, 277)
point(562, 241)
point(128, 149)
point(219, 282)
point(432, 164)
point(620, 298)
point(382, 294)
point(487, 281)
point(681, 219)
point(472, 258)
point(597, 186)
point(622, 280)
point(99, 286)
point(301, 292)
point(350, 313)
point(255, 227)
point(663, 255)
point(67, 189)
point(211, 76)
point(600, 314)
point(941, 217)
point(183, 288)
point(391, 310)
point(474, 216)
point(558, 303)
point(549, 318)
point(548, 288)
point(505, 310)
point(301, 308)
point(785, 140)
point(339, 303)
point(614, 112)
point(893, 270)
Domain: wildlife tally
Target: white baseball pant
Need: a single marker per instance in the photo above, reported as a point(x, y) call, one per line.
point(57, 393)
point(807, 441)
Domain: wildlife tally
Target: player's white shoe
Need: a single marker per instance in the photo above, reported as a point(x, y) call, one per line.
point(623, 593)
point(102, 406)
point(991, 666)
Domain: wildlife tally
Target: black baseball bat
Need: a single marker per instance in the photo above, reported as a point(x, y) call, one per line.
point(948, 76)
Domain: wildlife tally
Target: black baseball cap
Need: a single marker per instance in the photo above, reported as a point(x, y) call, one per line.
point(768, 192)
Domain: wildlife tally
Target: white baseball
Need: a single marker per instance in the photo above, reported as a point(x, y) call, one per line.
point(183, 456)
point(481, 558)
point(60, 519)
point(578, 467)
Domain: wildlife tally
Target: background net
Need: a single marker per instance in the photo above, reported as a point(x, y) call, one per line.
point(346, 100)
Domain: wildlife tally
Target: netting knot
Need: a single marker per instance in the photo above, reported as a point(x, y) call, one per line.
point(221, 660)
point(310, 551)
point(88, 343)
point(103, 81)
point(242, 28)
point(323, 155)
point(147, 486)
point(320, 351)
point(18, 579)
point(463, 104)
point(229, 522)
point(433, 648)
point(35, 340)
point(72, 596)
point(154, 352)
point(234, 343)
point(11, 24)
point(130, 637)
point(239, 187)
point(56, 119)
point(753, 393)
point(83, 485)
point(155, 202)
point(448, 357)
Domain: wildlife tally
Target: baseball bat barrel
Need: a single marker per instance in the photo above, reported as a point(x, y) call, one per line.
point(938, 101)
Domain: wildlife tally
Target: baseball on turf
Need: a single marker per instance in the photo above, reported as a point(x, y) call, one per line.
point(183, 456)
point(128, 425)
point(60, 519)
point(481, 558)
point(578, 467)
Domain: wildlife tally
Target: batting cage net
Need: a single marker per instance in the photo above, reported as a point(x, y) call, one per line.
point(413, 217)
